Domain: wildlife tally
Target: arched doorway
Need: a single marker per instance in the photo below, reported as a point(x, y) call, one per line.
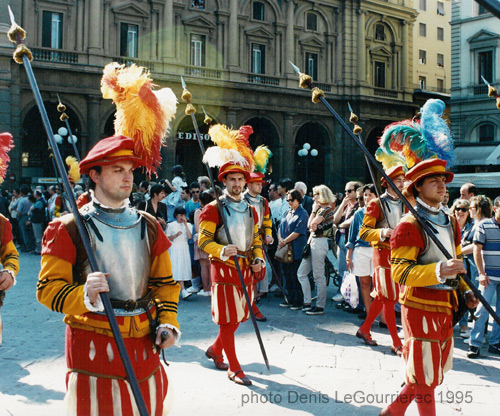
point(311, 169)
point(36, 159)
point(264, 133)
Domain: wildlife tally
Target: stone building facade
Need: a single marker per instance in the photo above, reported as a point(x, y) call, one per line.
point(234, 57)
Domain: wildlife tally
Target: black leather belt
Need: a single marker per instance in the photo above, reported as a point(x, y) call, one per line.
point(131, 305)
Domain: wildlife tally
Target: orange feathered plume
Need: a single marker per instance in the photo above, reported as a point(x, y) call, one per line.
point(141, 113)
point(74, 170)
point(6, 144)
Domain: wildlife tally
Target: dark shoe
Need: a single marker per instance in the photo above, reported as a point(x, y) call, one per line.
point(296, 307)
point(218, 359)
point(367, 338)
point(243, 381)
point(347, 308)
point(362, 315)
point(307, 307)
point(259, 317)
point(316, 311)
point(285, 305)
point(382, 325)
point(473, 352)
point(341, 305)
point(397, 350)
point(494, 349)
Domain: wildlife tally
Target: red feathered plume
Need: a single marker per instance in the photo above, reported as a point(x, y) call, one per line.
point(6, 144)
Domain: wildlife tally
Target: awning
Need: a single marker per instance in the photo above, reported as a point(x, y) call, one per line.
point(477, 155)
point(481, 180)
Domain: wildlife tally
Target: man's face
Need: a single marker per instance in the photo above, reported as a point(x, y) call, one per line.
point(350, 192)
point(464, 192)
point(399, 181)
point(185, 195)
point(368, 196)
point(203, 187)
point(273, 193)
point(115, 181)
point(433, 190)
point(15, 194)
point(281, 191)
point(234, 183)
point(255, 188)
point(195, 194)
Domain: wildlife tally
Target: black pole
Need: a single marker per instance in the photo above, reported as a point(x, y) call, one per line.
point(223, 220)
point(134, 384)
point(425, 226)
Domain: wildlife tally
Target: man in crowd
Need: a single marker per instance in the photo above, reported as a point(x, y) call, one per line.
point(487, 259)
point(284, 186)
point(204, 182)
point(143, 282)
point(194, 203)
point(468, 190)
point(229, 306)
point(23, 209)
point(428, 278)
point(307, 201)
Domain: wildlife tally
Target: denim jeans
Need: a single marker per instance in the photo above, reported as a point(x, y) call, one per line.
point(477, 334)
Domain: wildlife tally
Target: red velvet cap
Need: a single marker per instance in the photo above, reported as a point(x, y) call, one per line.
point(393, 172)
point(426, 168)
point(256, 177)
point(230, 167)
point(108, 151)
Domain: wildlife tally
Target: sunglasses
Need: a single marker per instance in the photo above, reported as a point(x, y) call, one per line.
point(195, 192)
point(349, 190)
point(461, 209)
point(289, 200)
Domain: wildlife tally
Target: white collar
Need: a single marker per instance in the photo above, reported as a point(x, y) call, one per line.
point(428, 207)
point(124, 204)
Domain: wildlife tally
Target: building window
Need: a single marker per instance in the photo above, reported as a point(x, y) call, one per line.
point(258, 10)
point(486, 133)
point(422, 57)
point(128, 40)
point(440, 33)
point(379, 32)
point(440, 8)
point(312, 65)
point(311, 21)
point(440, 60)
point(380, 74)
point(422, 5)
point(199, 4)
point(485, 66)
point(422, 81)
point(440, 85)
point(197, 50)
point(422, 29)
point(481, 10)
point(258, 58)
point(52, 30)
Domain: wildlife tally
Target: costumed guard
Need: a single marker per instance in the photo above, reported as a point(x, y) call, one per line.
point(428, 296)
point(381, 217)
point(132, 253)
point(9, 257)
point(254, 198)
point(229, 306)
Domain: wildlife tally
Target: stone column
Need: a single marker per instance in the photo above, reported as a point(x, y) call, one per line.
point(231, 117)
point(106, 28)
point(290, 41)
point(233, 35)
point(361, 47)
point(404, 55)
point(95, 31)
point(168, 30)
point(93, 123)
point(288, 159)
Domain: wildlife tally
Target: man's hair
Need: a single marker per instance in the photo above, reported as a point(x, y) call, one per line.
point(155, 190)
point(287, 184)
point(185, 189)
point(472, 189)
point(25, 189)
point(355, 184)
point(301, 186)
point(369, 187)
point(144, 184)
point(92, 184)
point(295, 195)
point(206, 197)
point(179, 211)
point(204, 180)
point(37, 193)
point(194, 185)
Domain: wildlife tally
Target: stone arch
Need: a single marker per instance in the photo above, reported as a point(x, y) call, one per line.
point(371, 143)
point(246, 5)
point(301, 15)
point(474, 124)
point(37, 161)
point(374, 21)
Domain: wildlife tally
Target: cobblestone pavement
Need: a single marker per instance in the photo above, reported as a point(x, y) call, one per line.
point(318, 366)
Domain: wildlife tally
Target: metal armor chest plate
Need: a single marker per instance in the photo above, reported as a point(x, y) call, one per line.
point(258, 203)
point(239, 219)
point(432, 254)
point(121, 246)
point(393, 211)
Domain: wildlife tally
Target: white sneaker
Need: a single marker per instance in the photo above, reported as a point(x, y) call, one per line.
point(185, 294)
point(193, 289)
point(205, 293)
point(465, 334)
point(338, 297)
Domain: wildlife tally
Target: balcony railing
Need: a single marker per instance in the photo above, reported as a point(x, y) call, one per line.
point(263, 80)
point(129, 61)
point(385, 93)
point(324, 87)
point(54, 55)
point(202, 72)
point(480, 89)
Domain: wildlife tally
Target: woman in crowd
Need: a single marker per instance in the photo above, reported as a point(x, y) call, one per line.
point(320, 220)
point(175, 188)
point(205, 198)
point(155, 207)
point(293, 230)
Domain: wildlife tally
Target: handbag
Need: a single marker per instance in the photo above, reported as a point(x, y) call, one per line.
point(306, 252)
point(285, 253)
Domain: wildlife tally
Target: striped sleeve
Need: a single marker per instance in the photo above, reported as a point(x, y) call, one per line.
point(368, 232)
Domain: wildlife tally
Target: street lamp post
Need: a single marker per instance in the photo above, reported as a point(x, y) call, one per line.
point(305, 152)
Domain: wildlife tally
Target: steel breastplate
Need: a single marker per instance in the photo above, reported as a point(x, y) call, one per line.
point(239, 220)
point(258, 203)
point(431, 252)
point(120, 243)
point(393, 211)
